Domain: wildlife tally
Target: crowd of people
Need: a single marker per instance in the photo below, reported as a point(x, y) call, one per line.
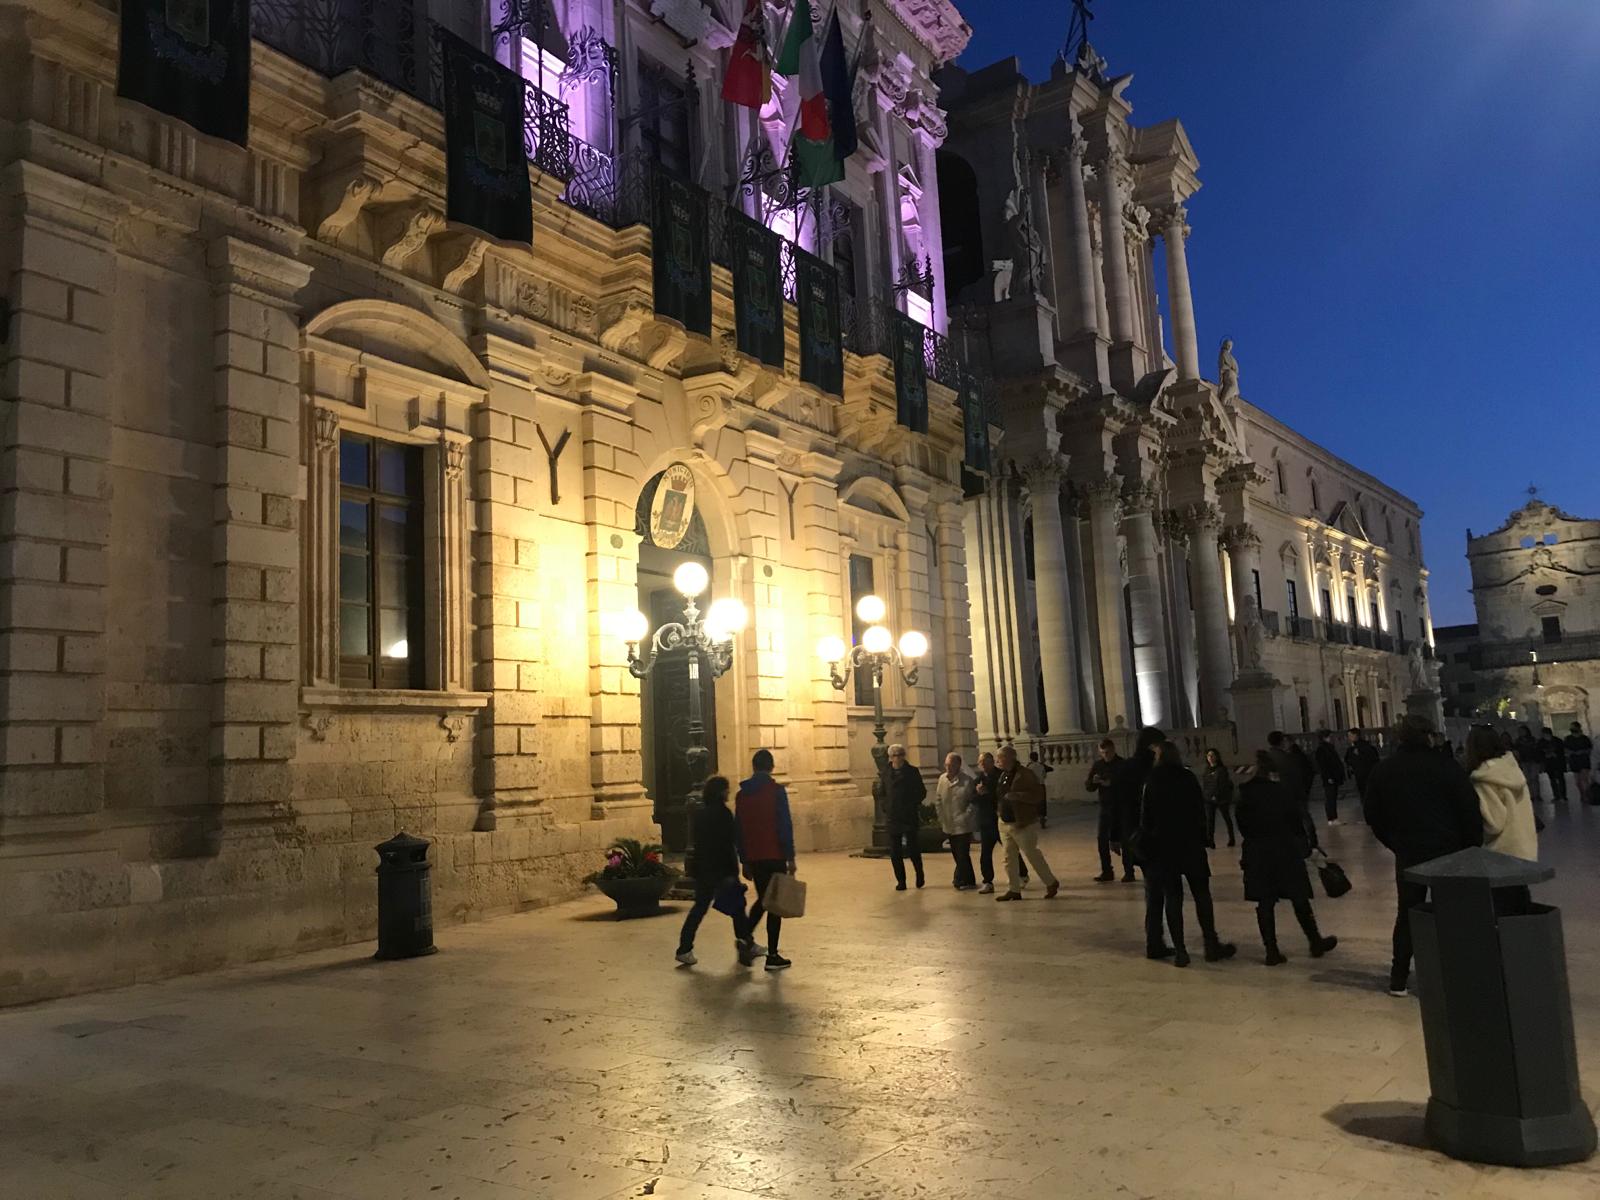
point(1158, 820)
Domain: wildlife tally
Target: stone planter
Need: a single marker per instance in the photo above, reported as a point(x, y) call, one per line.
point(636, 897)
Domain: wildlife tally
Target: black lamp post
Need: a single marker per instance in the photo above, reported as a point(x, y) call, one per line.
point(875, 653)
point(708, 640)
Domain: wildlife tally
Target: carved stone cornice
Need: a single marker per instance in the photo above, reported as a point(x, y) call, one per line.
point(937, 24)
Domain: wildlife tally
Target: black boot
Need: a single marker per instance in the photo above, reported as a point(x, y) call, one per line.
point(1308, 923)
point(1267, 923)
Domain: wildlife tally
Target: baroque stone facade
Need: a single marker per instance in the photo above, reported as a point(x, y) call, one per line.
point(1148, 536)
point(319, 512)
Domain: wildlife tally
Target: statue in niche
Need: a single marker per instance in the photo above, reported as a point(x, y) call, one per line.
point(1227, 371)
point(1027, 250)
point(1252, 637)
point(1418, 669)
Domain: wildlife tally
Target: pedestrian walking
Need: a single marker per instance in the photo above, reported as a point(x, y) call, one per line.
point(714, 866)
point(985, 800)
point(1216, 781)
point(1020, 795)
point(1286, 764)
point(1333, 776)
point(1102, 785)
point(953, 796)
point(1306, 768)
point(1172, 828)
point(1277, 834)
point(1359, 759)
point(1420, 806)
point(1553, 756)
point(1129, 789)
point(1580, 757)
point(765, 831)
point(906, 794)
point(1529, 759)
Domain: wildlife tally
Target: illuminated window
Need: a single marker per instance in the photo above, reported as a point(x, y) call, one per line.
point(381, 577)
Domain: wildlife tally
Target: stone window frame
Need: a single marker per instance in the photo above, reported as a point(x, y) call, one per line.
point(390, 401)
point(873, 519)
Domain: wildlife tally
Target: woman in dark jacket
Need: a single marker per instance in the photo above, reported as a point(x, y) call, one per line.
point(1277, 841)
point(1217, 784)
point(1172, 826)
point(714, 866)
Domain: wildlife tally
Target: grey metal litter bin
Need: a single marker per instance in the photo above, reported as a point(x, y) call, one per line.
point(1497, 1015)
point(405, 900)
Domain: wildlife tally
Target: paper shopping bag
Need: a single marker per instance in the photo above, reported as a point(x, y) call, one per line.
point(785, 897)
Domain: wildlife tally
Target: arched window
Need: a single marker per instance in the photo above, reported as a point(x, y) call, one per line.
point(960, 222)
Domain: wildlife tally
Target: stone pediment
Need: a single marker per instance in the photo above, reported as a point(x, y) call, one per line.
point(1344, 519)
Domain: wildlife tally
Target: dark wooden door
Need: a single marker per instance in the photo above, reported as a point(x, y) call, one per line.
point(668, 728)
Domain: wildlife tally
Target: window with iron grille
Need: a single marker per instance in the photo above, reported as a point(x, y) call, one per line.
point(664, 127)
point(382, 605)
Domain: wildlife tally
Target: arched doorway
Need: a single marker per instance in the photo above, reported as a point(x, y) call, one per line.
point(671, 532)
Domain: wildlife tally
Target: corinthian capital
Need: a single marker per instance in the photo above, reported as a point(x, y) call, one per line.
point(1170, 221)
point(1241, 537)
point(1101, 490)
point(1140, 498)
point(1202, 520)
point(1041, 473)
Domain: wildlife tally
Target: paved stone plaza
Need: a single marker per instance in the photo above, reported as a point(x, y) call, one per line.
point(924, 1045)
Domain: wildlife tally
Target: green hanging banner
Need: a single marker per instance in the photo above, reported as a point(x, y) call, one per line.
point(486, 168)
point(821, 348)
point(974, 423)
point(189, 59)
point(757, 289)
point(910, 374)
point(681, 248)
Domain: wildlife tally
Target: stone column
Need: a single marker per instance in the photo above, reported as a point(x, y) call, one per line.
point(1380, 576)
point(888, 184)
point(1244, 556)
point(1072, 539)
point(1103, 495)
point(1363, 615)
point(255, 543)
point(1057, 657)
point(1204, 524)
point(1081, 297)
point(1102, 312)
point(1119, 289)
point(1150, 662)
point(1000, 641)
point(1186, 346)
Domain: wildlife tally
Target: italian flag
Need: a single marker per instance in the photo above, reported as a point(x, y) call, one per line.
point(816, 161)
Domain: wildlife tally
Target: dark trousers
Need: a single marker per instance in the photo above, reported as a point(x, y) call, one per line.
point(961, 851)
point(1267, 922)
point(1163, 897)
point(904, 844)
point(988, 839)
point(1227, 819)
point(762, 873)
point(1105, 835)
point(1330, 800)
point(704, 894)
point(1558, 782)
point(1408, 896)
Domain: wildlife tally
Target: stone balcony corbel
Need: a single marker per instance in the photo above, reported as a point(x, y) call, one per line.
point(404, 232)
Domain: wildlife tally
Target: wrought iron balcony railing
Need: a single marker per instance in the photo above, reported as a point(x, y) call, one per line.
point(1522, 652)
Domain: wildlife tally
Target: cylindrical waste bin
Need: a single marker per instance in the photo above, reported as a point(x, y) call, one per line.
point(405, 904)
point(1497, 1015)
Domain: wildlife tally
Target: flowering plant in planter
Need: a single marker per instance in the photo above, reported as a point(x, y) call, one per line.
point(630, 858)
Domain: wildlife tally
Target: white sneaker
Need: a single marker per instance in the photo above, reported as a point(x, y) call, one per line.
point(986, 889)
point(686, 957)
point(1334, 822)
point(1400, 993)
point(757, 948)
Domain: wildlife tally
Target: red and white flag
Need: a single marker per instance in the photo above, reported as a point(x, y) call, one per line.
point(749, 77)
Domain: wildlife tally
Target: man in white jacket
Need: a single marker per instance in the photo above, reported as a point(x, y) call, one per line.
point(957, 817)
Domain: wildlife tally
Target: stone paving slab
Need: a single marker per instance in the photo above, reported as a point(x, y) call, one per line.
point(926, 1044)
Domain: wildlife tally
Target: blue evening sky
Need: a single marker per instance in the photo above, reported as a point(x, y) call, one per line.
point(1399, 226)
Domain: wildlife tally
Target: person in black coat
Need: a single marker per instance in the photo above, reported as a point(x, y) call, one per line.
point(1554, 757)
point(986, 798)
point(1216, 781)
point(1172, 829)
point(1359, 759)
point(714, 866)
point(906, 794)
point(1421, 806)
point(1102, 783)
point(1332, 772)
point(1277, 841)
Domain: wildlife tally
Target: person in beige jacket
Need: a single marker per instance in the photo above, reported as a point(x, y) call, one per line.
point(1502, 787)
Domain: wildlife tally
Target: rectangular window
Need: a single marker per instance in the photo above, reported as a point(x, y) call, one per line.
point(861, 584)
point(1294, 599)
point(1283, 483)
point(1552, 629)
point(1305, 715)
point(1255, 579)
point(1327, 607)
point(1375, 618)
point(1399, 624)
point(663, 116)
point(381, 581)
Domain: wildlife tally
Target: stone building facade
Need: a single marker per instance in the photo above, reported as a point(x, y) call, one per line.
point(1149, 536)
point(319, 512)
point(1533, 656)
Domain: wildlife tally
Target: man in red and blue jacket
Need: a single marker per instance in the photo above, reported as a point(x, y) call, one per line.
point(765, 833)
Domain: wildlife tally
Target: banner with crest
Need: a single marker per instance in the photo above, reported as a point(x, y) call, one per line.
point(486, 168)
point(189, 59)
point(680, 242)
point(757, 289)
point(910, 374)
point(821, 348)
point(974, 423)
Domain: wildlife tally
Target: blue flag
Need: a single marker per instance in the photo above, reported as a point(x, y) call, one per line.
point(836, 86)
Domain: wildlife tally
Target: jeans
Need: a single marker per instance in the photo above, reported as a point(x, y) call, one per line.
point(762, 873)
point(1020, 841)
point(961, 851)
point(1330, 800)
point(1407, 896)
point(904, 844)
point(1531, 772)
point(1227, 819)
point(704, 893)
point(1163, 896)
point(1105, 835)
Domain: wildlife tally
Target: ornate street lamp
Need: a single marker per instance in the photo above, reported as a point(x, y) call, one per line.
point(876, 652)
point(709, 641)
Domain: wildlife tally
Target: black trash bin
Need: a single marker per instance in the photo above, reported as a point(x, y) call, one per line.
point(405, 903)
point(1496, 1015)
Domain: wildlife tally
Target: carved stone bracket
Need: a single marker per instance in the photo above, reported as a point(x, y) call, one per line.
point(467, 263)
point(358, 193)
point(453, 724)
point(409, 233)
point(622, 322)
point(317, 724)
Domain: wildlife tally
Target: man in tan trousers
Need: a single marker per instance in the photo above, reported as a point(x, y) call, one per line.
point(1021, 796)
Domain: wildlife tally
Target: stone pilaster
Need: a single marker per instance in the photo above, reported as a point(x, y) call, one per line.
point(955, 641)
point(817, 523)
point(912, 611)
point(55, 515)
point(1058, 656)
point(1115, 660)
point(1072, 539)
point(1170, 223)
point(255, 544)
point(1001, 642)
point(1204, 524)
point(1150, 658)
point(319, 624)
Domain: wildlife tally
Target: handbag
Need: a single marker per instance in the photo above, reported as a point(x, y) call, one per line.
point(1334, 881)
point(1134, 844)
point(785, 896)
point(729, 898)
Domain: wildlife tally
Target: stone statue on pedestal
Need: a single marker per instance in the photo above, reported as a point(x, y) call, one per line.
point(1227, 371)
point(1027, 251)
point(1419, 670)
point(1252, 638)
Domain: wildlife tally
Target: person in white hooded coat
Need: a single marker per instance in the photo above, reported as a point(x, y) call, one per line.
point(1503, 798)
